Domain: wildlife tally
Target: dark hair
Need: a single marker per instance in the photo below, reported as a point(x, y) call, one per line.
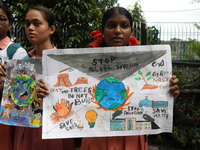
point(114, 11)
point(47, 14)
point(9, 16)
point(51, 19)
point(38, 111)
point(7, 12)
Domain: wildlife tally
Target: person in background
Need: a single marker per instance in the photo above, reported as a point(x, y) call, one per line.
point(39, 28)
point(116, 31)
point(8, 50)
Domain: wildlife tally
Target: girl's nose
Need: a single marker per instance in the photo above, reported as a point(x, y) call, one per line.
point(118, 30)
point(30, 27)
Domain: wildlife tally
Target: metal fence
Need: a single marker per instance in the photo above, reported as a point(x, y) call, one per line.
point(15, 34)
point(183, 37)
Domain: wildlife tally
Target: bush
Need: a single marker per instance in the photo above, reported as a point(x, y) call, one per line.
point(186, 124)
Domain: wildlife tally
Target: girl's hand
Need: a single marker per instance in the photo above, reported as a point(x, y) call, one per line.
point(43, 91)
point(174, 90)
point(3, 71)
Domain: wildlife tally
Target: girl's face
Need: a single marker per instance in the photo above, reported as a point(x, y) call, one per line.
point(4, 24)
point(117, 31)
point(37, 28)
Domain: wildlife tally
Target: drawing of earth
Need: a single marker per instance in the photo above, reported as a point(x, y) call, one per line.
point(110, 93)
point(23, 90)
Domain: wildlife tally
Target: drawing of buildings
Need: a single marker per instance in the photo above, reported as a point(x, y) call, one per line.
point(129, 124)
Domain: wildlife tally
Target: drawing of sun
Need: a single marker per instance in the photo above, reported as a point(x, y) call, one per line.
point(111, 94)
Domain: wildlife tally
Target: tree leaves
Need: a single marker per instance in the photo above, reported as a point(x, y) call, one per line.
point(138, 79)
point(140, 72)
point(75, 18)
point(148, 73)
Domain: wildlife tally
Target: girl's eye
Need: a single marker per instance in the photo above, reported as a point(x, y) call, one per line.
point(3, 19)
point(37, 24)
point(27, 24)
point(111, 26)
point(124, 26)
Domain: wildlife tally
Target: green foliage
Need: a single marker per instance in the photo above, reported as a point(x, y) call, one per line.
point(194, 48)
point(141, 30)
point(153, 33)
point(137, 17)
point(75, 18)
point(189, 77)
point(186, 128)
point(105, 4)
point(188, 137)
point(187, 120)
point(197, 26)
point(136, 12)
point(185, 50)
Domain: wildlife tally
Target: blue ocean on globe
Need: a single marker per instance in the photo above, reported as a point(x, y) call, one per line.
point(110, 93)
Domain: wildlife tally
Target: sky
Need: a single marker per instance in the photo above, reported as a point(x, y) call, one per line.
point(167, 10)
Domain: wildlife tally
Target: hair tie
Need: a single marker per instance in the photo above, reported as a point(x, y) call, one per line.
point(133, 41)
point(96, 34)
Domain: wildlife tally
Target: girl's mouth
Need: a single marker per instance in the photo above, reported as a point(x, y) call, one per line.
point(31, 35)
point(117, 39)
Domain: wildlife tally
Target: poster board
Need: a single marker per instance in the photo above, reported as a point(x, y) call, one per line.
point(20, 104)
point(112, 91)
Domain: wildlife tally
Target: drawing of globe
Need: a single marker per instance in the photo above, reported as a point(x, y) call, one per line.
point(110, 93)
point(23, 90)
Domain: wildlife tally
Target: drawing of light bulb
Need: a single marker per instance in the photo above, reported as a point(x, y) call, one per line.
point(91, 117)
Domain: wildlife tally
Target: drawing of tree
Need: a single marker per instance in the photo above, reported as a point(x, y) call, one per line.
point(145, 79)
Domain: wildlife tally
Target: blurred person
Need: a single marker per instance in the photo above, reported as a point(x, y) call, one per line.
point(8, 50)
point(40, 27)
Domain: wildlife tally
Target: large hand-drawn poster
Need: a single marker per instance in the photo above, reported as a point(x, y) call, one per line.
point(20, 105)
point(107, 91)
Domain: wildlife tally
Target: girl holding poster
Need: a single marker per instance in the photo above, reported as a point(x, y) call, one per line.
point(116, 31)
point(8, 50)
point(40, 26)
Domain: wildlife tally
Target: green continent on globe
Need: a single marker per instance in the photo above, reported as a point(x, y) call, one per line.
point(110, 93)
point(23, 90)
